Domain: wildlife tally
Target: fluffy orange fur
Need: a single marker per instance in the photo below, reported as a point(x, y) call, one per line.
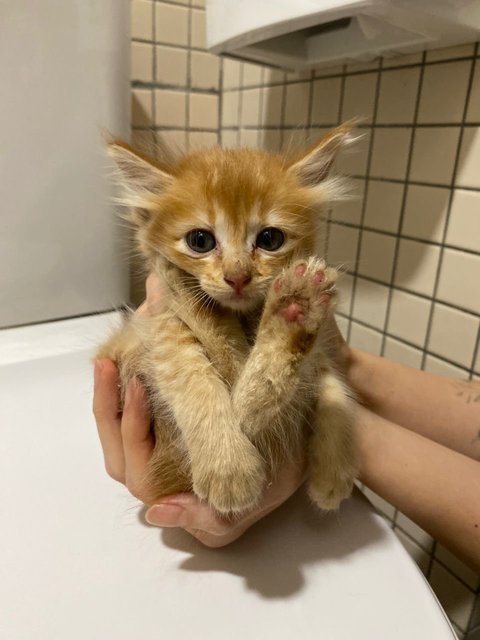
point(234, 363)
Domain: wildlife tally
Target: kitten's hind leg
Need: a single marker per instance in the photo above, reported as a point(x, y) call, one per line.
point(332, 452)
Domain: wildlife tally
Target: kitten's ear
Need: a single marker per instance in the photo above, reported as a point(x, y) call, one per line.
point(139, 178)
point(313, 168)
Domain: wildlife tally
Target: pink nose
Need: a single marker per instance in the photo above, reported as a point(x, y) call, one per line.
point(238, 283)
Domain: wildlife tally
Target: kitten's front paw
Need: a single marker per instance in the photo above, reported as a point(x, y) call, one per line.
point(303, 294)
point(232, 481)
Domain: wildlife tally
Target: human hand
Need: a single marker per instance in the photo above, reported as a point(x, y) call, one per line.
point(336, 347)
point(127, 445)
point(155, 294)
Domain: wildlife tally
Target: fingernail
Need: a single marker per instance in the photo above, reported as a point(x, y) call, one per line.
point(165, 515)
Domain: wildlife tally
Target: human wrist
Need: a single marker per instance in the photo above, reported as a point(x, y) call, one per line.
point(355, 369)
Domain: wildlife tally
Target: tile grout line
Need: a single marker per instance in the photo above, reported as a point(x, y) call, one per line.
point(392, 234)
point(282, 115)
point(476, 351)
point(365, 194)
point(341, 99)
point(405, 342)
point(428, 63)
point(308, 143)
point(189, 76)
point(449, 206)
point(419, 183)
point(416, 294)
point(260, 108)
point(396, 249)
point(177, 88)
point(440, 562)
point(240, 104)
point(154, 76)
point(220, 102)
point(137, 84)
point(444, 236)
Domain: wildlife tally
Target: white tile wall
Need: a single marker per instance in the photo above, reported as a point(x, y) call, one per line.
point(402, 353)
point(417, 266)
point(142, 19)
point(391, 147)
point(296, 104)
point(370, 302)
point(468, 175)
point(342, 245)
point(459, 279)
point(439, 143)
point(455, 597)
point(354, 161)
point(398, 96)
point(377, 252)
point(418, 554)
point(464, 224)
point(438, 105)
point(350, 210)
point(326, 100)
point(384, 205)
point(443, 368)
point(425, 212)
point(272, 106)
point(359, 96)
point(171, 24)
point(409, 316)
point(365, 338)
point(250, 107)
point(453, 334)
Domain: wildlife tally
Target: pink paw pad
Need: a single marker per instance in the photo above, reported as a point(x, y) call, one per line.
point(300, 270)
point(319, 277)
point(292, 313)
point(278, 285)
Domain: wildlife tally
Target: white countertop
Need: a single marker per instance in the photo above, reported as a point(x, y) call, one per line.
point(77, 561)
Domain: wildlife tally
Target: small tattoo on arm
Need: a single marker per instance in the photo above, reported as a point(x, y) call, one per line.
point(477, 438)
point(467, 390)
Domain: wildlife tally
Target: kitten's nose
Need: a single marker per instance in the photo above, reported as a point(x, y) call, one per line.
point(238, 282)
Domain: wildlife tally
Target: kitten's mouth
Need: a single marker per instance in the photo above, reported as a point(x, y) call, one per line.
point(239, 301)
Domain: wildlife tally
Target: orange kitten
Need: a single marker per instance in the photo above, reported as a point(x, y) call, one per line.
point(234, 363)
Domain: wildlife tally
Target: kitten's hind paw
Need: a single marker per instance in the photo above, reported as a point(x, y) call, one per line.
point(329, 494)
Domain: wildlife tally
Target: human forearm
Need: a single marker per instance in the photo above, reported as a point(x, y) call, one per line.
point(444, 410)
point(434, 486)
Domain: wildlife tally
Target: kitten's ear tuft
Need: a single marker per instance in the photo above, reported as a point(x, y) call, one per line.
point(137, 172)
point(314, 167)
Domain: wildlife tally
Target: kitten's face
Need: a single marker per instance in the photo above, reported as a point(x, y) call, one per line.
point(231, 218)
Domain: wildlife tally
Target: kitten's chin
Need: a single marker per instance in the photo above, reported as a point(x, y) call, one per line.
point(240, 303)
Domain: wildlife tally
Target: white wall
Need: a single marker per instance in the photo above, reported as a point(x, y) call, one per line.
point(64, 78)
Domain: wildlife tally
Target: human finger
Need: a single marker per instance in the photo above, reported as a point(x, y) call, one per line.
point(201, 521)
point(138, 442)
point(155, 294)
point(106, 412)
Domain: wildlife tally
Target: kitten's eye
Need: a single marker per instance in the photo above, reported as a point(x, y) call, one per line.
point(200, 240)
point(270, 239)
